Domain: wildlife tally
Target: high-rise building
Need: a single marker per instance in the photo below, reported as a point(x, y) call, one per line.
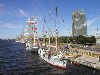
point(97, 38)
point(79, 24)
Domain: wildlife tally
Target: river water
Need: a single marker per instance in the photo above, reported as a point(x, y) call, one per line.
point(15, 60)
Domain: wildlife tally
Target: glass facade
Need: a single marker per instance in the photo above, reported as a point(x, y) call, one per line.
point(79, 24)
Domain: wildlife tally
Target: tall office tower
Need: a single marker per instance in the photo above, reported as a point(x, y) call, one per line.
point(79, 24)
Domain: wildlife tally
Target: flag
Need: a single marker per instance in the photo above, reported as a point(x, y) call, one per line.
point(35, 28)
point(44, 20)
point(31, 19)
point(35, 23)
point(49, 16)
point(57, 12)
point(62, 19)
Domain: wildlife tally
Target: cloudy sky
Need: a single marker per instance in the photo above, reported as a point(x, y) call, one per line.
point(14, 14)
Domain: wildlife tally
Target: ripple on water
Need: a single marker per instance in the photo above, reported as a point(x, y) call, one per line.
point(15, 60)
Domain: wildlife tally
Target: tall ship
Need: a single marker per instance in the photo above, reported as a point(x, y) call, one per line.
point(50, 53)
point(31, 35)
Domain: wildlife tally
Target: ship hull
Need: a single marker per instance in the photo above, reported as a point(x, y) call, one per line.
point(62, 67)
point(29, 47)
point(17, 41)
point(33, 49)
point(23, 42)
point(53, 62)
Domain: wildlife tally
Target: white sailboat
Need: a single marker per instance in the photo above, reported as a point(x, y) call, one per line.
point(31, 35)
point(55, 60)
point(45, 53)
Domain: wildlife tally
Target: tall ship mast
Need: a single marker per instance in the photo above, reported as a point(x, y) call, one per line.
point(52, 54)
point(31, 32)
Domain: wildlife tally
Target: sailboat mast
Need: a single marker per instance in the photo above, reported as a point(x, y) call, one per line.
point(49, 30)
point(56, 31)
point(56, 43)
point(49, 37)
point(34, 35)
point(32, 29)
point(44, 32)
point(35, 30)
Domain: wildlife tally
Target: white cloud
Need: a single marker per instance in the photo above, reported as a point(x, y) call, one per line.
point(90, 22)
point(21, 13)
point(11, 26)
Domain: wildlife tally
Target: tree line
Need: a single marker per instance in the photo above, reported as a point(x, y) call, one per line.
point(75, 40)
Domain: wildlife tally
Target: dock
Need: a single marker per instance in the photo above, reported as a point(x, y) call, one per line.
point(84, 57)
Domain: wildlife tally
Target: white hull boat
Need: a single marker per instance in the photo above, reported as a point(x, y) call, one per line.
point(31, 31)
point(30, 47)
point(17, 41)
point(53, 60)
point(47, 54)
